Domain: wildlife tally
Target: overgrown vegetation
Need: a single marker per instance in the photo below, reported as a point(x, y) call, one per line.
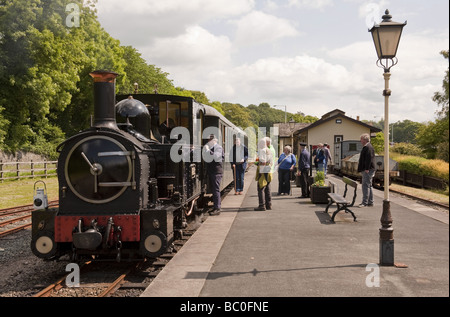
point(422, 166)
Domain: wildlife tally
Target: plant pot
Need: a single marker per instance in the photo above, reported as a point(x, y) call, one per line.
point(319, 194)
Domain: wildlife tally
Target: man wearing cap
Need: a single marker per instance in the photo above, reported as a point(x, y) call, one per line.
point(304, 166)
point(214, 156)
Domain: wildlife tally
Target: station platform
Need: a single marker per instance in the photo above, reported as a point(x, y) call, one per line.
point(294, 250)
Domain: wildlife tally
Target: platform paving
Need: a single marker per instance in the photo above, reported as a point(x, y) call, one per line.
point(294, 250)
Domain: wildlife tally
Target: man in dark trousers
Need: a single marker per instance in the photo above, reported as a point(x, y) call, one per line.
point(304, 166)
point(238, 161)
point(366, 166)
point(214, 156)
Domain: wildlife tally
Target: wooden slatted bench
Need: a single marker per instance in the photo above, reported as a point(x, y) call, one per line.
point(341, 201)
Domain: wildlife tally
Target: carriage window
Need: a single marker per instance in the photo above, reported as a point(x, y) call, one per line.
point(173, 114)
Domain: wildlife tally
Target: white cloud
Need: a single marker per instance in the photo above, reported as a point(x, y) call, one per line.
point(212, 9)
point(130, 20)
point(194, 50)
point(202, 45)
point(313, 4)
point(258, 27)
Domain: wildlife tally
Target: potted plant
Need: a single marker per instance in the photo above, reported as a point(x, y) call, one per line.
point(319, 191)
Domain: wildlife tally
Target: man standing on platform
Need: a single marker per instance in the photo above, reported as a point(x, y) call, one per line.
point(238, 161)
point(304, 166)
point(366, 165)
point(214, 156)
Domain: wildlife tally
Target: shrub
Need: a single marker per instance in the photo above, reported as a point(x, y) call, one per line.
point(319, 179)
point(407, 149)
point(421, 166)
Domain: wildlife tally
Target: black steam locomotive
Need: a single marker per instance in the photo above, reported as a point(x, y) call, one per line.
point(127, 187)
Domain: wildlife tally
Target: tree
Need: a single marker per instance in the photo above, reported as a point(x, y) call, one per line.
point(442, 98)
point(148, 77)
point(237, 114)
point(434, 137)
point(378, 143)
point(405, 131)
point(34, 48)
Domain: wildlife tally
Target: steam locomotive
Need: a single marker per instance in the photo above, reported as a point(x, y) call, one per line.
point(129, 184)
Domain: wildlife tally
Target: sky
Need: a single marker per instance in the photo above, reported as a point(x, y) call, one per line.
point(309, 56)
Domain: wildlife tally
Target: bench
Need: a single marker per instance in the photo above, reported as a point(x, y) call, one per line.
point(341, 202)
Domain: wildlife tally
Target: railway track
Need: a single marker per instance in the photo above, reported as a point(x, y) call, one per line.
point(110, 279)
point(11, 219)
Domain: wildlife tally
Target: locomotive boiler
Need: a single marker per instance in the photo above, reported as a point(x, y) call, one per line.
point(128, 184)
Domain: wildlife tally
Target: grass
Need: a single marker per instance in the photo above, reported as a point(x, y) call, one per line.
point(440, 197)
point(20, 192)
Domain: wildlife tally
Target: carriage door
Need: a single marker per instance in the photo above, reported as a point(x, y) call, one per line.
point(337, 151)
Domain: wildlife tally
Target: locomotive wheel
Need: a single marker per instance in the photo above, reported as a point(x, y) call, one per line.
point(44, 246)
point(153, 243)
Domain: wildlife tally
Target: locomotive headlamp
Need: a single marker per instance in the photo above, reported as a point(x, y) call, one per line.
point(40, 200)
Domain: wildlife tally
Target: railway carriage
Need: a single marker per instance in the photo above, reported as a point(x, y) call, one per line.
point(128, 184)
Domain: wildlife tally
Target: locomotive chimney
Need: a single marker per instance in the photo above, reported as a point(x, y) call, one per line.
point(104, 99)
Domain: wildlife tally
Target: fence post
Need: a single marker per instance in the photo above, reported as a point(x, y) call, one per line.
point(32, 168)
point(17, 169)
point(1, 171)
point(45, 168)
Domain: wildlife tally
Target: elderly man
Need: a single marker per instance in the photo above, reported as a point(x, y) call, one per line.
point(366, 165)
point(238, 161)
point(264, 175)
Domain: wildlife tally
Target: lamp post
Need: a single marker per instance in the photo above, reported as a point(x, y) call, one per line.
point(386, 37)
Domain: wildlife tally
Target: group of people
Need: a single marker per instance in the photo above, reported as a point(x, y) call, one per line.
point(285, 164)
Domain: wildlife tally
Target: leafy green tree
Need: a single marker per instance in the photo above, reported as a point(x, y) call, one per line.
point(237, 114)
point(148, 77)
point(434, 137)
point(99, 51)
point(378, 143)
point(34, 50)
point(405, 131)
point(218, 106)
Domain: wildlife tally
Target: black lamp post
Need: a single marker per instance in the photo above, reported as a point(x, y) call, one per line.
point(386, 37)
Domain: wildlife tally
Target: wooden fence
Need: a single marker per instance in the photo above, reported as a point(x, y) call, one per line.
point(18, 170)
point(422, 181)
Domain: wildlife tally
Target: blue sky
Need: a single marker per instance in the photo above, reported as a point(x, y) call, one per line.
point(311, 56)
